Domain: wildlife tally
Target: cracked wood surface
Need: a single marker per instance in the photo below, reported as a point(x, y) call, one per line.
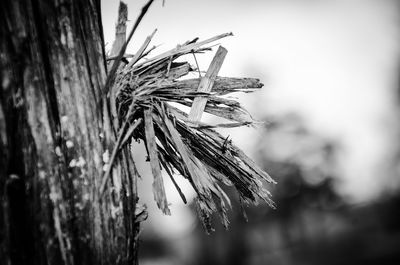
point(54, 130)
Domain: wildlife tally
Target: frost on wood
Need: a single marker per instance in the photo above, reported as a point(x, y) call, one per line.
point(179, 144)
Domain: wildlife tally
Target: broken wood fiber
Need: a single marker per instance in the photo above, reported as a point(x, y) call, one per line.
point(120, 29)
point(158, 184)
point(120, 38)
point(182, 146)
point(206, 84)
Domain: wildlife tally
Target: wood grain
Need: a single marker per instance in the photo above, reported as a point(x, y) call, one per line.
point(206, 84)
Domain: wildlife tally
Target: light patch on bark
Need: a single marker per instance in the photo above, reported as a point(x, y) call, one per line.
point(117, 180)
point(115, 211)
point(64, 119)
point(3, 127)
point(106, 156)
point(6, 81)
point(69, 144)
point(66, 38)
point(81, 162)
point(42, 175)
point(96, 159)
point(63, 241)
point(72, 163)
point(58, 151)
point(63, 78)
point(37, 112)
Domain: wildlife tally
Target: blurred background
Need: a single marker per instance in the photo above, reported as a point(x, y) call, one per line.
point(331, 106)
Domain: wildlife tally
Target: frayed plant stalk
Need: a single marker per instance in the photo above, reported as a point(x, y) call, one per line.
point(147, 92)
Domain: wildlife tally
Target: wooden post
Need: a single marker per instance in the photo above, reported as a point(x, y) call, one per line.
point(206, 84)
point(53, 136)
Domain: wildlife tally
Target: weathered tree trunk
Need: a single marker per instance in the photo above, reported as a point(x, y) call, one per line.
point(54, 130)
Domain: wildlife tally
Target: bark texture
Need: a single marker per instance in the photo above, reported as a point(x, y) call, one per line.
point(55, 133)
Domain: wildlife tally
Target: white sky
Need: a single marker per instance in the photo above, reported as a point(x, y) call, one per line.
point(332, 61)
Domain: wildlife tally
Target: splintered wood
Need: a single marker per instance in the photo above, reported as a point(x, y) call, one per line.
point(120, 38)
point(158, 184)
point(120, 29)
point(147, 92)
point(206, 84)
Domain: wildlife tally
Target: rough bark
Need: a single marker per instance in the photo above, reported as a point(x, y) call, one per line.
point(54, 130)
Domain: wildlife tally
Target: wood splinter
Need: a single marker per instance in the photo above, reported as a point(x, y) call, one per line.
point(205, 86)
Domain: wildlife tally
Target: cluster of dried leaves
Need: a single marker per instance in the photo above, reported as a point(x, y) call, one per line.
point(144, 90)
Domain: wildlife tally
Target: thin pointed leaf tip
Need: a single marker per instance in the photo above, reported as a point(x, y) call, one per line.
point(151, 90)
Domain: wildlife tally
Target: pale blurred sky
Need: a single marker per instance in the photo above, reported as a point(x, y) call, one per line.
point(335, 62)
